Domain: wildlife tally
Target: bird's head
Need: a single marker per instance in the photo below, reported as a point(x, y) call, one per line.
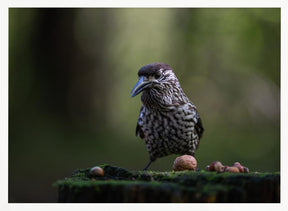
point(154, 76)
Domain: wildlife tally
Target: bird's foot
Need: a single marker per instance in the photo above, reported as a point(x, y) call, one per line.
point(145, 169)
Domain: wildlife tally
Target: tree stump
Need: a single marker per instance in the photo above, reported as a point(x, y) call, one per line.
point(119, 185)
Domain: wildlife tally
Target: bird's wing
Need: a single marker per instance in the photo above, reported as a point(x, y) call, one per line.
point(197, 120)
point(199, 127)
point(139, 130)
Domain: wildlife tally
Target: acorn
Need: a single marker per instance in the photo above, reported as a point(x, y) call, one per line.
point(232, 169)
point(215, 166)
point(185, 162)
point(97, 171)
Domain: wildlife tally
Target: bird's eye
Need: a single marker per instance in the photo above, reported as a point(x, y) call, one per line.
point(157, 75)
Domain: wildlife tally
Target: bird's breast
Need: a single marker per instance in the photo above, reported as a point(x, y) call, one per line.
point(171, 124)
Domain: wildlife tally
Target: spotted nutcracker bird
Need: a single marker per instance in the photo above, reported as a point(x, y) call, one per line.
point(168, 120)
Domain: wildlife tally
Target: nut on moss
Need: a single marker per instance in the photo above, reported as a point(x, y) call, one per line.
point(97, 171)
point(239, 166)
point(242, 169)
point(185, 162)
point(232, 169)
point(246, 170)
point(215, 166)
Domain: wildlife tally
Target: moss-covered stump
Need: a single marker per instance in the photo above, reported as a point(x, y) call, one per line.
point(120, 185)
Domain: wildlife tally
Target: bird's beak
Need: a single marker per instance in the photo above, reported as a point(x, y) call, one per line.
point(140, 86)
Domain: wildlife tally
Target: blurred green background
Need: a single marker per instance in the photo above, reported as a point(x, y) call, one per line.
point(71, 72)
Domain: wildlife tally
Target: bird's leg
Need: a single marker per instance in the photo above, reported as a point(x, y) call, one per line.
point(147, 165)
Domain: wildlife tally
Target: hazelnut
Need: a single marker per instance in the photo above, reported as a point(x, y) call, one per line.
point(246, 170)
point(242, 169)
point(232, 169)
point(239, 166)
point(97, 171)
point(185, 162)
point(215, 166)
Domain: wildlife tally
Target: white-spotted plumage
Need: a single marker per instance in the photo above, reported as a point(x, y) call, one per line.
point(168, 121)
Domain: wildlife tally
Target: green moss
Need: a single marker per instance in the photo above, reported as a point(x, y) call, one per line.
point(184, 186)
